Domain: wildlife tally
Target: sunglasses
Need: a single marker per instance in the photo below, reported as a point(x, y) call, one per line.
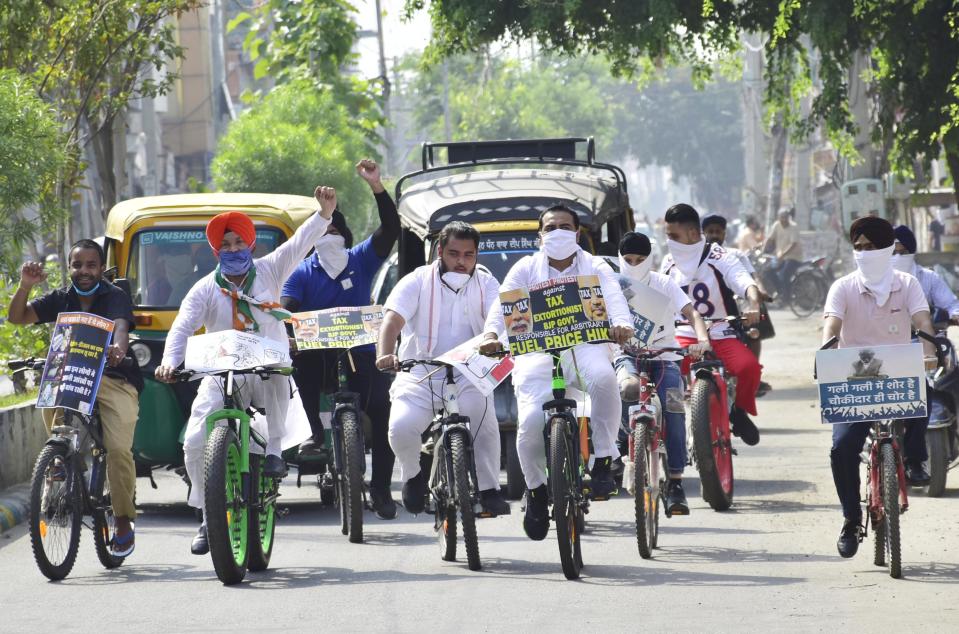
point(521, 306)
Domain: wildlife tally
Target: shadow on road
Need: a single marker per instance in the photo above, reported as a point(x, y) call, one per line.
point(791, 393)
point(929, 572)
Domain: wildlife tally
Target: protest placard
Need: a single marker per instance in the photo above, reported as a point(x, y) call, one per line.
point(337, 327)
point(871, 383)
point(485, 373)
point(650, 309)
point(234, 350)
point(555, 315)
point(74, 366)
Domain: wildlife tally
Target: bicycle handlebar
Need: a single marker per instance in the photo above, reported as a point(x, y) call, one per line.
point(186, 375)
point(31, 363)
point(409, 364)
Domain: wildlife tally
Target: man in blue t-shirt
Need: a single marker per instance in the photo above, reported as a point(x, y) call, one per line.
point(339, 274)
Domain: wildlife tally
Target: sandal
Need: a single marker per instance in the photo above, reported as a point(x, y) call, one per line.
point(122, 546)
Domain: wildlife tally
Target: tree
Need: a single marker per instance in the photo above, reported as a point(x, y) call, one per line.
point(31, 155)
point(292, 140)
point(914, 48)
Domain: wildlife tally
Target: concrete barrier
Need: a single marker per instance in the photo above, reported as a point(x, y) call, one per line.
point(22, 435)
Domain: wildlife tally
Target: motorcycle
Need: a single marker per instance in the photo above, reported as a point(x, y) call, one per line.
point(942, 435)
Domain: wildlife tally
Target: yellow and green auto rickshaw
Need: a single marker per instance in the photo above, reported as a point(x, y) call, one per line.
point(158, 246)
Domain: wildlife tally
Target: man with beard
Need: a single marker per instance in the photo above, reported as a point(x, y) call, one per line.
point(118, 395)
point(437, 307)
point(875, 305)
point(340, 274)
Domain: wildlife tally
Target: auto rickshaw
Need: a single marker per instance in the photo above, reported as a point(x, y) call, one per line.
point(159, 248)
point(501, 187)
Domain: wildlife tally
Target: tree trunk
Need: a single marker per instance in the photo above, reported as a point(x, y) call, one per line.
point(102, 143)
point(776, 163)
point(952, 160)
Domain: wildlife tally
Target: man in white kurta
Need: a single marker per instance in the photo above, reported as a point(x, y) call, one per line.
point(208, 305)
point(436, 308)
point(587, 366)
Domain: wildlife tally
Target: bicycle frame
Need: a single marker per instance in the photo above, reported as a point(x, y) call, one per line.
point(72, 439)
point(563, 407)
point(451, 420)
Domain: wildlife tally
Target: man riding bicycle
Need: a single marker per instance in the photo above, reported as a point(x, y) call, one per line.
point(942, 301)
point(561, 256)
point(635, 265)
point(710, 275)
point(875, 305)
point(340, 274)
point(118, 397)
point(243, 294)
point(437, 307)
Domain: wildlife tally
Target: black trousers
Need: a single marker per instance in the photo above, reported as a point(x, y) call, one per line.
point(316, 374)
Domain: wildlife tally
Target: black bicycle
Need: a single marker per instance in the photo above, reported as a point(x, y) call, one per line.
point(453, 485)
point(69, 482)
point(349, 461)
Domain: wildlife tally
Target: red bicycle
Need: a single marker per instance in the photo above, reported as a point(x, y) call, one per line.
point(645, 474)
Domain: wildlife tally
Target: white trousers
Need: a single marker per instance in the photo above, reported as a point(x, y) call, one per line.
point(285, 425)
point(532, 381)
point(413, 408)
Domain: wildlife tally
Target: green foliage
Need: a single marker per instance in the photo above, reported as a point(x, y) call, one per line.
point(292, 140)
point(31, 155)
point(20, 342)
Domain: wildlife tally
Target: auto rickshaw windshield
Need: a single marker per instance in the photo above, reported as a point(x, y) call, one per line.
point(165, 263)
point(499, 251)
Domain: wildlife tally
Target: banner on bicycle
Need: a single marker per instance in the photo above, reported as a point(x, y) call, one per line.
point(555, 315)
point(74, 366)
point(649, 308)
point(871, 383)
point(337, 327)
point(485, 373)
point(234, 350)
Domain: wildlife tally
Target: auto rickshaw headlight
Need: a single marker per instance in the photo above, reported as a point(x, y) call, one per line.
point(141, 352)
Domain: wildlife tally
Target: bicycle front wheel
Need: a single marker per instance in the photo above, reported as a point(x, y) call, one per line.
point(352, 477)
point(262, 522)
point(55, 513)
point(645, 501)
point(227, 518)
point(464, 498)
point(562, 478)
point(712, 444)
point(890, 505)
point(806, 296)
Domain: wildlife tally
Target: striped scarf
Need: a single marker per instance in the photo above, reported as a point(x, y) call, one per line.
point(242, 315)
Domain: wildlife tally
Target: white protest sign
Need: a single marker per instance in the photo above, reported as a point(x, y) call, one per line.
point(650, 309)
point(234, 350)
point(485, 373)
point(871, 383)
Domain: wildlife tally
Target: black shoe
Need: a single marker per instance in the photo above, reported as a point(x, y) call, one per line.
point(536, 520)
point(849, 538)
point(676, 498)
point(274, 467)
point(200, 545)
point(414, 494)
point(744, 427)
point(310, 448)
point(602, 484)
point(763, 389)
point(381, 499)
point(493, 502)
point(916, 475)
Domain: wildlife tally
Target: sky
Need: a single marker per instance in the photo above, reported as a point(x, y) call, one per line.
point(399, 36)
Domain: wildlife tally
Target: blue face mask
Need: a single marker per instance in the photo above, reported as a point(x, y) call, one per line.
point(86, 293)
point(235, 262)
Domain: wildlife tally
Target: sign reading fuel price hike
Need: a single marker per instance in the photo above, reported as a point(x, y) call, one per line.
point(555, 315)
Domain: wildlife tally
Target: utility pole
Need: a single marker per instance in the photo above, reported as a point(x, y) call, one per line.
point(446, 101)
point(754, 146)
point(388, 128)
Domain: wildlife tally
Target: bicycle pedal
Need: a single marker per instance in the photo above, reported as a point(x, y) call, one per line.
point(733, 450)
point(282, 512)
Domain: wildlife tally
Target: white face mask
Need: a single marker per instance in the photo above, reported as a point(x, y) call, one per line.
point(559, 244)
point(638, 272)
point(332, 254)
point(905, 262)
point(686, 256)
point(875, 271)
point(455, 280)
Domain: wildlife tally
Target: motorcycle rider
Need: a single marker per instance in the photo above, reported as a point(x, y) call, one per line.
point(635, 264)
point(436, 308)
point(340, 274)
point(242, 293)
point(710, 275)
point(784, 236)
point(714, 228)
point(873, 306)
point(561, 256)
point(943, 303)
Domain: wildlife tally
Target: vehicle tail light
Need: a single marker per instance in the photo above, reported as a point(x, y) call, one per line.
point(143, 320)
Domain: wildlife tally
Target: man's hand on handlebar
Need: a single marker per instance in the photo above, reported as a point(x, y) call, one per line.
point(751, 314)
point(490, 346)
point(165, 374)
point(388, 363)
point(698, 350)
point(621, 334)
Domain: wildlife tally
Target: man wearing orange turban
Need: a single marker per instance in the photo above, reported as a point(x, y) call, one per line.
point(242, 293)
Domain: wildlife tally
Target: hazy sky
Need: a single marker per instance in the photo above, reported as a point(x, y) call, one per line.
point(399, 37)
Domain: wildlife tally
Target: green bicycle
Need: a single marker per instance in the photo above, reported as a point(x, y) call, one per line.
point(240, 508)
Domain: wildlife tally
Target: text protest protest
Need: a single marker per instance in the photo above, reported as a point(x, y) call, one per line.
point(876, 383)
point(337, 327)
point(485, 373)
point(555, 315)
point(75, 361)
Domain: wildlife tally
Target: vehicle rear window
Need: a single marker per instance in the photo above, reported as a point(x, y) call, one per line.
point(500, 251)
point(165, 263)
